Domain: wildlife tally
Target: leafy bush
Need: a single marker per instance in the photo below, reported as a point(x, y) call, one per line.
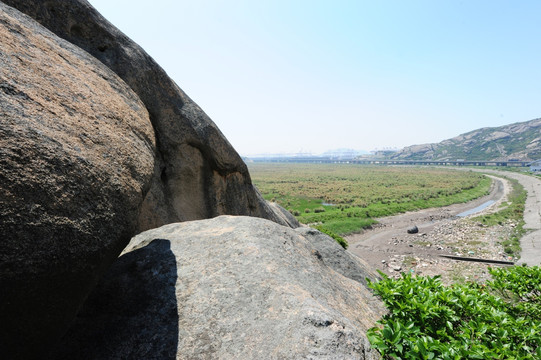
point(343, 242)
point(428, 320)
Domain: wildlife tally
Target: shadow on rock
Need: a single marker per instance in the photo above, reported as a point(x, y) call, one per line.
point(132, 313)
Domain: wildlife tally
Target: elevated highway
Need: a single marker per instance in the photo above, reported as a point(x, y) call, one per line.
point(325, 160)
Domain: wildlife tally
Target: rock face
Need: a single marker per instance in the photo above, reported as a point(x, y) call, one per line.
point(334, 256)
point(520, 141)
point(76, 159)
point(93, 149)
point(226, 288)
point(198, 174)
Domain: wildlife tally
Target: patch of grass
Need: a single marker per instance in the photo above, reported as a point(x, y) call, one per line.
point(409, 261)
point(349, 225)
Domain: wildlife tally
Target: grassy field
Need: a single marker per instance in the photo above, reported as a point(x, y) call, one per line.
point(345, 198)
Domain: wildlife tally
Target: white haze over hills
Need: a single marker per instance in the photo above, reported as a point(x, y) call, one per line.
point(282, 75)
point(335, 153)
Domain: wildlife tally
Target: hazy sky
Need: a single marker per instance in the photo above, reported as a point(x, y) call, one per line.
point(291, 75)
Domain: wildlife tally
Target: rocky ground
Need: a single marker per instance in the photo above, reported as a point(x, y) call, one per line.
point(390, 248)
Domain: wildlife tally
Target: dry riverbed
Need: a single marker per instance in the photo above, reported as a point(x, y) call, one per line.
point(389, 248)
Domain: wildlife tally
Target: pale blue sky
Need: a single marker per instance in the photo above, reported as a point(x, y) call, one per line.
point(291, 75)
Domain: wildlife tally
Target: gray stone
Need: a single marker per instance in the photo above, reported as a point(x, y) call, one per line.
point(286, 218)
point(76, 158)
point(198, 174)
point(334, 256)
point(413, 230)
point(225, 288)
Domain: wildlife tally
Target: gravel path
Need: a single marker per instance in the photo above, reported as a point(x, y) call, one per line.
point(531, 242)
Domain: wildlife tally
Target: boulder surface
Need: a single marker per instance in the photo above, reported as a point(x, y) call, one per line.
point(198, 174)
point(226, 288)
point(76, 159)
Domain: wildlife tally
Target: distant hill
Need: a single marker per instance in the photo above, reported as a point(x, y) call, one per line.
point(521, 141)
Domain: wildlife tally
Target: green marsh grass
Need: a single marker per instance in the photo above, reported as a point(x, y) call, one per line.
point(354, 195)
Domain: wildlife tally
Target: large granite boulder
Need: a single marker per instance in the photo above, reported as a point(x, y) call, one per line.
point(227, 288)
point(334, 256)
point(198, 174)
point(76, 159)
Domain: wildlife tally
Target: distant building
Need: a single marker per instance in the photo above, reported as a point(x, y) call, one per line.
point(384, 152)
point(535, 166)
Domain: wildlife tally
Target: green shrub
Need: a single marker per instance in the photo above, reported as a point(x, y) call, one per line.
point(428, 320)
point(340, 240)
point(319, 209)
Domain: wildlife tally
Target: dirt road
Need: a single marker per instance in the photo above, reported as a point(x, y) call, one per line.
point(531, 242)
point(390, 248)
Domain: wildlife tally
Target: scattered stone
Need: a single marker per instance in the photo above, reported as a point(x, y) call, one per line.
point(413, 230)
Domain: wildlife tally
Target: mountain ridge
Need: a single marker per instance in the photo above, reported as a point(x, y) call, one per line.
point(517, 141)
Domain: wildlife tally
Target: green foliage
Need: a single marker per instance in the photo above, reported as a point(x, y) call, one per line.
point(428, 320)
point(514, 212)
point(348, 225)
point(343, 242)
point(521, 287)
point(352, 195)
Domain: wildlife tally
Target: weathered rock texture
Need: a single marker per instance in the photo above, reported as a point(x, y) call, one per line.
point(198, 174)
point(520, 141)
point(226, 288)
point(334, 256)
point(76, 158)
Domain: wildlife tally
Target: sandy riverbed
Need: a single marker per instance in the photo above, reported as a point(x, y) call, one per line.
point(390, 248)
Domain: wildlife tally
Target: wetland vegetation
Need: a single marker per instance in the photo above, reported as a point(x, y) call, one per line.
point(345, 198)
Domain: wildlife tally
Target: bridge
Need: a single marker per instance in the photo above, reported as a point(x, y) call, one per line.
point(325, 160)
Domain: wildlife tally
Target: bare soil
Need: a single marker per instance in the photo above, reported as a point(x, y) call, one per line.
point(390, 248)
